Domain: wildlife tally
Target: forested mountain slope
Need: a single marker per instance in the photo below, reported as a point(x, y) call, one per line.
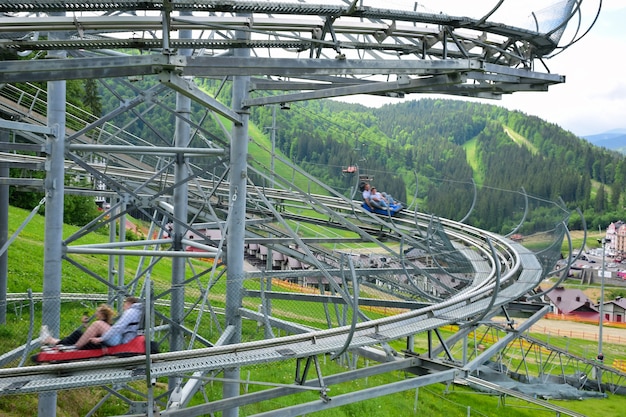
point(429, 139)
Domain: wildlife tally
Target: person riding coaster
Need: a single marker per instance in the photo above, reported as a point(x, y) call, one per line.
point(379, 203)
point(101, 338)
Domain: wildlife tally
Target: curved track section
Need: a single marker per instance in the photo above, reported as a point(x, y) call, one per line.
point(522, 276)
point(496, 271)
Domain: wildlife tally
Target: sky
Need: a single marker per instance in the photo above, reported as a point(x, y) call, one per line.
point(593, 98)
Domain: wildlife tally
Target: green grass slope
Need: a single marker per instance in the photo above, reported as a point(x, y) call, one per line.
point(26, 272)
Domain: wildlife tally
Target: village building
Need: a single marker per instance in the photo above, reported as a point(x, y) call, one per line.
point(572, 302)
point(615, 238)
point(619, 247)
point(615, 310)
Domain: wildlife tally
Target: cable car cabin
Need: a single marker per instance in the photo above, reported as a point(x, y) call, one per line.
point(393, 210)
point(352, 169)
point(55, 354)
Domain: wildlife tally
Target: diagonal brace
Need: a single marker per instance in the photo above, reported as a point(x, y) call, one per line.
point(189, 89)
point(301, 374)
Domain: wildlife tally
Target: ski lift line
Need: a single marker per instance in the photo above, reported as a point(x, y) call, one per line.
point(341, 166)
point(143, 174)
point(330, 122)
point(523, 219)
point(338, 206)
point(488, 187)
point(336, 125)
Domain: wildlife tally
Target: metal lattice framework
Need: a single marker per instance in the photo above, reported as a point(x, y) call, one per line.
point(193, 184)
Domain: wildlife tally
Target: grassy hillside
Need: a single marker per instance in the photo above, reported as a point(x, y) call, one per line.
point(26, 271)
point(471, 148)
point(521, 140)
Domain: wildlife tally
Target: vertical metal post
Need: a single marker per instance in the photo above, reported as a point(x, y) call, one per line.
point(53, 250)
point(270, 261)
point(600, 356)
point(181, 194)
point(601, 300)
point(121, 260)
point(465, 350)
point(236, 221)
point(147, 320)
point(4, 234)
point(273, 143)
point(112, 238)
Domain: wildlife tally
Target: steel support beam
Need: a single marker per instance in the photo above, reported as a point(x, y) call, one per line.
point(399, 86)
point(142, 150)
point(4, 231)
point(187, 88)
point(181, 212)
point(503, 342)
point(54, 187)
point(236, 220)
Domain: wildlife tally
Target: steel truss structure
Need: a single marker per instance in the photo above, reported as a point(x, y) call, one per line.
point(193, 183)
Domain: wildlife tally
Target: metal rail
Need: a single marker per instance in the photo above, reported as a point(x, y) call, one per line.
point(523, 276)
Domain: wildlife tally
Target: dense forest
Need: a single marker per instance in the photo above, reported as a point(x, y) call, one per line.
point(432, 152)
point(444, 148)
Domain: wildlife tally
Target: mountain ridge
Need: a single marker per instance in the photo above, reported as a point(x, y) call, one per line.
point(614, 139)
point(423, 147)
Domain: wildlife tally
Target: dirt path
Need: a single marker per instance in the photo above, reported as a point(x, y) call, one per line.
point(578, 330)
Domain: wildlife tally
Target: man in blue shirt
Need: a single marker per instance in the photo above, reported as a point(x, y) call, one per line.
point(124, 329)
